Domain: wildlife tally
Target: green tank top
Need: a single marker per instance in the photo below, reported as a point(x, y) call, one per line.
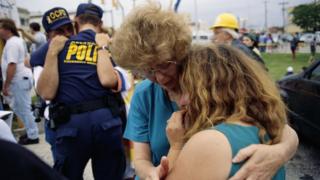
point(240, 137)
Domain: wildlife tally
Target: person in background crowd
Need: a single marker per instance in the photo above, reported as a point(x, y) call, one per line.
point(126, 93)
point(37, 38)
point(17, 80)
point(269, 43)
point(294, 45)
point(251, 42)
point(140, 45)
point(224, 116)
point(62, 26)
point(262, 42)
point(313, 46)
point(289, 71)
point(225, 30)
point(79, 79)
point(2, 43)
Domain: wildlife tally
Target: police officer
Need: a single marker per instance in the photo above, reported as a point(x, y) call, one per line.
point(79, 78)
point(61, 26)
point(225, 30)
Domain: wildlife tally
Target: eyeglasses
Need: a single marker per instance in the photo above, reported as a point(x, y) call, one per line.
point(162, 68)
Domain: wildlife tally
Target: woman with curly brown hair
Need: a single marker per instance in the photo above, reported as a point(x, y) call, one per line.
point(155, 43)
point(231, 103)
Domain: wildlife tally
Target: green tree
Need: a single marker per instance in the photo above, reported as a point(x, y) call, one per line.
point(307, 16)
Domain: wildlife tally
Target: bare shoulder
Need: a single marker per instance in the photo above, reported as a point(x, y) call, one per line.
point(207, 155)
point(212, 137)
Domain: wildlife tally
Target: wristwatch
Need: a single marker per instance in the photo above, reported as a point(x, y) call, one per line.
point(104, 47)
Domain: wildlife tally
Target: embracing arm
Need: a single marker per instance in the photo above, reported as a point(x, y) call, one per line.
point(49, 78)
point(25, 34)
point(265, 160)
point(289, 143)
point(107, 75)
point(143, 165)
point(207, 155)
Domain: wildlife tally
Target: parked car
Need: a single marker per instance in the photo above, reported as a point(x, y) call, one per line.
point(307, 37)
point(201, 37)
point(317, 34)
point(286, 37)
point(301, 93)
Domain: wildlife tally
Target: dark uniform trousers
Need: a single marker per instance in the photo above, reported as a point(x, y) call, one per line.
point(96, 135)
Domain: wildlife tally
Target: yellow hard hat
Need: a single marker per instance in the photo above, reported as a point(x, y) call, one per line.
point(226, 20)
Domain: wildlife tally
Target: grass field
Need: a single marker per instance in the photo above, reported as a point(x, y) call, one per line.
point(278, 63)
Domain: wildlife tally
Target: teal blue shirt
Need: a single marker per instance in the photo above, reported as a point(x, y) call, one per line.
point(150, 109)
point(240, 137)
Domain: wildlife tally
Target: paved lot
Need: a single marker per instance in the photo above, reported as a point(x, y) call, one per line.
point(305, 165)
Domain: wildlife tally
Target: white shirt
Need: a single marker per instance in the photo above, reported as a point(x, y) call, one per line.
point(15, 51)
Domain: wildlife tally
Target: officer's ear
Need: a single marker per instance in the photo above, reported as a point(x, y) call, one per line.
point(100, 24)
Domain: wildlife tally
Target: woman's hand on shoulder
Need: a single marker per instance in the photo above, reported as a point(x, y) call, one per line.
point(263, 161)
point(57, 44)
point(102, 39)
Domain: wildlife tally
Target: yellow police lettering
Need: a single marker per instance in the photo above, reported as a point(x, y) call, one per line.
point(88, 55)
point(72, 50)
point(95, 54)
point(81, 52)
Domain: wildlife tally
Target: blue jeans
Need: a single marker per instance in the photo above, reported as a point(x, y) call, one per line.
point(50, 138)
point(20, 92)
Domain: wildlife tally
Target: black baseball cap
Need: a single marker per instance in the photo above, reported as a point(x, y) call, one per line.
point(89, 8)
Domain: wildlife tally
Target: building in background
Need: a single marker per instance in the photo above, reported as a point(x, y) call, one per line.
point(290, 26)
point(8, 9)
point(24, 17)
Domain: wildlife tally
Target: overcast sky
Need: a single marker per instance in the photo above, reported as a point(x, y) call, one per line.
point(253, 11)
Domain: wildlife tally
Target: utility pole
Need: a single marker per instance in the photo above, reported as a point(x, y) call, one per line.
point(134, 3)
point(283, 3)
point(196, 17)
point(112, 17)
point(265, 15)
point(122, 9)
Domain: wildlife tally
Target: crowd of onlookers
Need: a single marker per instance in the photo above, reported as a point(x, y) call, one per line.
point(268, 43)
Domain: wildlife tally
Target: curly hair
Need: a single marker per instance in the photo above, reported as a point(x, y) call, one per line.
point(224, 85)
point(150, 35)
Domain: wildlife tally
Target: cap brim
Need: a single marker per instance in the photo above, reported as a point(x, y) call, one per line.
point(56, 26)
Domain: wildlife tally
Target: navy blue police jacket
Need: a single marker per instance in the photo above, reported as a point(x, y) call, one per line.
point(77, 64)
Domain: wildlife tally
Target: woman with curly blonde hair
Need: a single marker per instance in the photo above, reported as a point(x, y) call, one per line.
point(155, 42)
point(231, 103)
